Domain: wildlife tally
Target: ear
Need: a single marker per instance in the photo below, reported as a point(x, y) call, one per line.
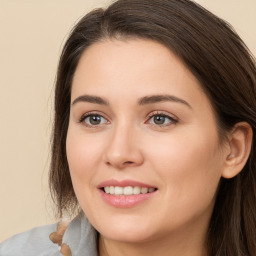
point(239, 148)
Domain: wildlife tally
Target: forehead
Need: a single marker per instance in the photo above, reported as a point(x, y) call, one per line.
point(134, 66)
point(119, 54)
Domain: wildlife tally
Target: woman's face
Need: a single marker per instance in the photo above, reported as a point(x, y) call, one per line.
point(142, 128)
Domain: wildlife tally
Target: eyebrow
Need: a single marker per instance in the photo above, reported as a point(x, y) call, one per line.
point(141, 102)
point(90, 99)
point(162, 98)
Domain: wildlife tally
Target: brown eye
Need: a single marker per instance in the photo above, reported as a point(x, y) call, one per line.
point(93, 120)
point(159, 119)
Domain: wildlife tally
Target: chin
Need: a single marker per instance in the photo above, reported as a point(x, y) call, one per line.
point(126, 230)
point(121, 235)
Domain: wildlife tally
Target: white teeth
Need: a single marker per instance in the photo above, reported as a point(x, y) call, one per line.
point(112, 190)
point(129, 190)
point(144, 190)
point(118, 191)
point(107, 190)
point(151, 190)
point(136, 190)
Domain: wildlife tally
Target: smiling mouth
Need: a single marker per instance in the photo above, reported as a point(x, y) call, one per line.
point(127, 191)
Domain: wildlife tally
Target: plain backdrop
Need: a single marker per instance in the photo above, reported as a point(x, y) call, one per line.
point(32, 33)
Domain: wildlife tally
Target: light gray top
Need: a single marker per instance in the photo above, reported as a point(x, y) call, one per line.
point(80, 236)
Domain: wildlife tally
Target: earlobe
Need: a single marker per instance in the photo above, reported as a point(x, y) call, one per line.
point(240, 140)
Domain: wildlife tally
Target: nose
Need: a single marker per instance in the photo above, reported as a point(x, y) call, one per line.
point(123, 149)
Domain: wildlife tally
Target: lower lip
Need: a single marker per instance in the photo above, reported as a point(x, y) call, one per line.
point(125, 201)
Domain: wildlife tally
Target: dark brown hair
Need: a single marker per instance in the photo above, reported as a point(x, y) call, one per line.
point(217, 56)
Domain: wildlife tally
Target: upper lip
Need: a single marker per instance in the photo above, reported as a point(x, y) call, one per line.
point(124, 183)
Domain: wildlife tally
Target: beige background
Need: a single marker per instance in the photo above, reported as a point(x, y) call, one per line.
point(31, 35)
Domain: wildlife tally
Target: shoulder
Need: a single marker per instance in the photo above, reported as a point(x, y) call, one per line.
point(78, 238)
point(32, 242)
point(81, 237)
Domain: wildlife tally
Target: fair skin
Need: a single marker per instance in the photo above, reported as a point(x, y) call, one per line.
point(169, 143)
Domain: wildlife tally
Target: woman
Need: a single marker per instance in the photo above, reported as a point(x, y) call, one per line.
point(154, 137)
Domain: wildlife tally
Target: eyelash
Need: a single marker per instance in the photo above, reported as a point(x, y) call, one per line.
point(172, 120)
point(89, 114)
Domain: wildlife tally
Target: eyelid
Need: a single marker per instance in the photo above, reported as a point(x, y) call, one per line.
point(91, 113)
point(173, 118)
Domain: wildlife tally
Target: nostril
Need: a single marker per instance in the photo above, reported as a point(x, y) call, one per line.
point(128, 162)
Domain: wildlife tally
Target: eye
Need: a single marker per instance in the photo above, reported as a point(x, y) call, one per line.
point(161, 119)
point(92, 119)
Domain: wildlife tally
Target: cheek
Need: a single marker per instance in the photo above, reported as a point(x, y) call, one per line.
point(188, 165)
point(83, 154)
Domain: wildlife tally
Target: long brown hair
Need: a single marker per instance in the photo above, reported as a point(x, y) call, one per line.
point(219, 59)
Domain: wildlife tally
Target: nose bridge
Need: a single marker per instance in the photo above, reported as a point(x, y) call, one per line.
point(123, 149)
